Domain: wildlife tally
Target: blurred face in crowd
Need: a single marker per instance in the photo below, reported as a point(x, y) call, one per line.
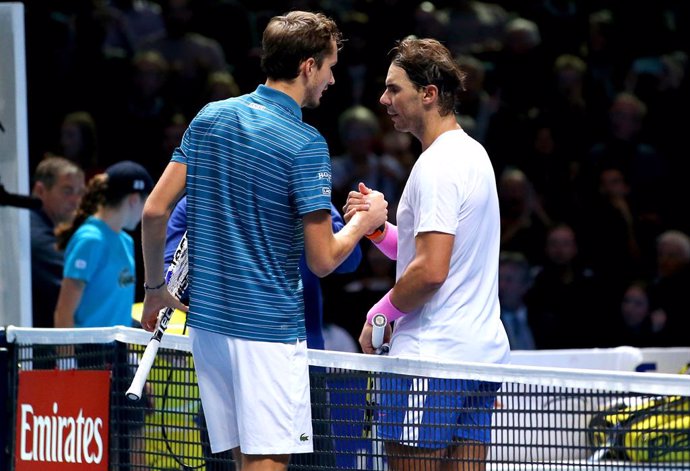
point(672, 256)
point(321, 78)
point(561, 247)
point(612, 183)
point(512, 285)
point(71, 140)
point(60, 202)
point(634, 305)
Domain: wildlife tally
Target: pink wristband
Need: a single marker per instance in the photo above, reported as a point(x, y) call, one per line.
point(385, 307)
point(389, 244)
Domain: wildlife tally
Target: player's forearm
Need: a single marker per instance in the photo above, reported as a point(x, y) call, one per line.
point(337, 249)
point(153, 230)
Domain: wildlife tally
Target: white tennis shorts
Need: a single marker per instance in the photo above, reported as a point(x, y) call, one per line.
point(255, 395)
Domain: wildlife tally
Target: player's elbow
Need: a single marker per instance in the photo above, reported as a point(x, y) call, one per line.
point(433, 279)
point(154, 212)
point(319, 263)
point(320, 267)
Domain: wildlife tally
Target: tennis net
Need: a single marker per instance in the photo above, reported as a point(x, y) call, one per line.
point(543, 418)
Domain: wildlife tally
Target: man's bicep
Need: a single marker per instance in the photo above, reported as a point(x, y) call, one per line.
point(317, 229)
point(169, 189)
point(318, 238)
point(434, 250)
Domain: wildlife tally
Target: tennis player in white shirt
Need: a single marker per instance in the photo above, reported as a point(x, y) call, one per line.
point(444, 304)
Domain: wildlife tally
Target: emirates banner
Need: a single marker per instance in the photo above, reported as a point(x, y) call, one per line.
point(62, 420)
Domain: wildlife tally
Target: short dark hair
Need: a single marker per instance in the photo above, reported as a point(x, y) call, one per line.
point(290, 39)
point(52, 167)
point(428, 62)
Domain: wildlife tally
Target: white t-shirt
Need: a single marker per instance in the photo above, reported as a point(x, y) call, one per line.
point(452, 189)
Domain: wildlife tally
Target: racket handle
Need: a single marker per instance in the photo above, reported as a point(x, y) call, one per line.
point(145, 364)
point(379, 323)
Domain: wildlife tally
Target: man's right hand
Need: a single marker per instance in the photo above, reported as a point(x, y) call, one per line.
point(154, 301)
point(376, 215)
point(356, 201)
point(368, 205)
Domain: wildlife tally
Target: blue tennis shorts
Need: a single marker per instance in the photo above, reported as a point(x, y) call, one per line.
point(435, 413)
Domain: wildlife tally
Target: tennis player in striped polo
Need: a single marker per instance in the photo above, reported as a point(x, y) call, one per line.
point(258, 185)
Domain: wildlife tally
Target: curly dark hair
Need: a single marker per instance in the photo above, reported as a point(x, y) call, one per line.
point(428, 62)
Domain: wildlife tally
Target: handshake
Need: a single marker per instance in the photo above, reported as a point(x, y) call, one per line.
point(367, 208)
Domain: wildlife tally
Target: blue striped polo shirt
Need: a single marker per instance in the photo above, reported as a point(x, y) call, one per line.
point(254, 169)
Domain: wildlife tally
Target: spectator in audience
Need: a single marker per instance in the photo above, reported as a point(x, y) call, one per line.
point(475, 27)
point(398, 146)
point(79, 141)
point(138, 110)
point(139, 20)
point(566, 305)
point(669, 290)
point(192, 56)
point(566, 106)
point(219, 86)
point(550, 167)
point(59, 184)
point(645, 169)
point(635, 326)
point(611, 237)
point(514, 280)
point(523, 220)
point(359, 130)
point(522, 50)
point(476, 101)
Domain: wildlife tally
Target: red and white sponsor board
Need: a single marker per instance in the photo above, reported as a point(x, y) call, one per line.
point(62, 420)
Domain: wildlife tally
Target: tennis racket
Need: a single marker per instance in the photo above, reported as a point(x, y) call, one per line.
point(379, 323)
point(177, 285)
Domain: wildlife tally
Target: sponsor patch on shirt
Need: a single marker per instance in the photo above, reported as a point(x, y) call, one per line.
point(256, 106)
point(80, 264)
point(325, 176)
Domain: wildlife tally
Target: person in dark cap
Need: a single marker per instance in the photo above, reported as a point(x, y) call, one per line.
point(99, 278)
point(99, 275)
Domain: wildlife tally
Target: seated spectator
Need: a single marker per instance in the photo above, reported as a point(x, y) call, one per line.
point(476, 102)
point(612, 240)
point(359, 130)
point(634, 326)
point(192, 56)
point(78, 141)
point(566, 304)
point(523, 220)
point(514, 279)
point(669, 290)
point(645, 169)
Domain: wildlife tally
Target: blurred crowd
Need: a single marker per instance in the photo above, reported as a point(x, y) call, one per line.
point(579, 105)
